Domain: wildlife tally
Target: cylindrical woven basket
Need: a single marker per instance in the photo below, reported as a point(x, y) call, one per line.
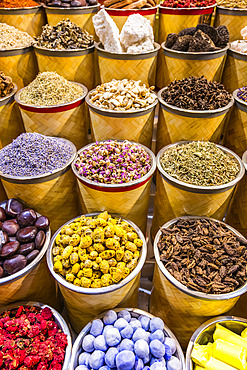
point(201, 335)
point(130, 200)
point(234, 75)
point(122, 125)
point(233, 18)
point(68, 120)
point(54, 195)
point(177, 124)
point(11, 124)
point(82, 17)
point(28, 19)
point(83, 304)
point(74, 65)
point(120, 16)
point(135, 66)
point(182, 308)
point(59, 321)
point(174, 198)
point(76, 350)
point(21, 65)
point(3, 195)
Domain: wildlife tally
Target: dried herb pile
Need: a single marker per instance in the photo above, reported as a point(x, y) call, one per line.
point(6, 85)
point(241, 4)
point(65, 35)
point(200, 163)
point(12, 38)
point(204, 255)
point(196, 93)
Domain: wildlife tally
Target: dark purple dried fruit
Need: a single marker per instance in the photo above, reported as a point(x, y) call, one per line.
point(26, 218)
point(9, 249)
point(27, 234)
point(3, 238)
point(10, 227)
point(27, 248)
point(15, 264)
point(40, 239)
point(13, 207)
point(3, 204)
point(2, 215)
point(31, 256)
point(42, 223)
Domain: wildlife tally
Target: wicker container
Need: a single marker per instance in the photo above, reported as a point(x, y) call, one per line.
point(234, 75)
point(82, 17)
point(233, 18)
point(68, 120)
point(183, 308)
point(177, 124)
point(175, 198)
point(28, 19)
point(205, 331)
point(11, 124)
point(122, 125)
point(83, 304)
point(135, 312)
point(54, 195)
point(130, 200)
point(21, 65)
point(59, 321)
point(3, 195)
point(135, 66)
point(74, 65)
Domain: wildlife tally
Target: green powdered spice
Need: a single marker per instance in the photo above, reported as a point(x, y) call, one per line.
point(200, 163)
point(49, 88)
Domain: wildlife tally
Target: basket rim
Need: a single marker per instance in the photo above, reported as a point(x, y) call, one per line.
point(7, 97)
point(97, 291)
point(62, 50)
point(99, 44)
point(22, 8)
point(200, 53)
point(74, 7)
point(195, 8)
point(23, 48)
point(231, 9)
point(133, 10)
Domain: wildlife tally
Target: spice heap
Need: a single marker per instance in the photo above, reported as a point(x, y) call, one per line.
point(241, 4)
point(95, 252)
point(242, 94)
point(113, 162)
point(126, 340)
point(240, 45)
point(22, 236)
point(12, 38)
point(130, 4)
point(136, 35)
point(31, 339)
point(202, 38)
point(6, 85)
point(33, 154)
point(17, 3)
point(188, 3)
point(204, 255)
point(71, 3)
point(49, 88)
point(223, 349)
point(65, 35)
point(123, 95)
point(196, 93)
point(200, 163)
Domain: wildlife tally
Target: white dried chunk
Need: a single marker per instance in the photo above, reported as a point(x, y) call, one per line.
point(244, 33)
point(239, 45)
point(146, 45)
point(107, 31)
point(136, 30)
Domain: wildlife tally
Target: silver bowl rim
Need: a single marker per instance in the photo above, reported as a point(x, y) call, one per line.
point(133, 10)
point(59, 318)
point(74, 7)
point(35, 46)
point(157, 46)
point(183, 288)
point(126, 185)
point(244, 159)
point(231, 9)
point(194, 53)
point(25, 48)
point(139, 312)
point(197, 187)
point(93, 291)
point(195, 8)
point(7, 97)
point(23, 8)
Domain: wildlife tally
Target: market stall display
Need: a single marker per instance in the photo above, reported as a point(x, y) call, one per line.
point(97, 288)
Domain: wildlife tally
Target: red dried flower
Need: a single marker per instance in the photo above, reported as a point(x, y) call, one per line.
point(46, 313)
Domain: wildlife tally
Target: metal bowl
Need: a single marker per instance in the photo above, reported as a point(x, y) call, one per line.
point(127, 56)
point(65, 53)
point(77, 345)
point(189, 55)
point(74, 10)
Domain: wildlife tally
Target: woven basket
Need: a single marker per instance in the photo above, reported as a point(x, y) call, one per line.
point(3, 195)
point(74, 65)
point(233, 19)
point(11, 124)
point(177, 124)
point(133, 66)
point(175, 198)
point(234, 75)
point(21, 65)
point(83, 304)
point(69, 121)
point(29, 19)
point(181, 307)
point(54, 195)
point(82, 17)
point(110, 124)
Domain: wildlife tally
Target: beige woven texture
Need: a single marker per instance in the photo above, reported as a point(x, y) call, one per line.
point(143, 69)
point(11, 124)
point(79, 68)
point(234, 23)
point(235, 137)
point(82, 20)
point(171, 202)
point(3, 195)
point(172, 128)
point(132, 204)
point(121, 19)
point(21, 68)
point(31, 23)
point(138, 129)
point(234, 75)
point(82, 308)
point(71, 124)
point(181, 312)
point(57, 199)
